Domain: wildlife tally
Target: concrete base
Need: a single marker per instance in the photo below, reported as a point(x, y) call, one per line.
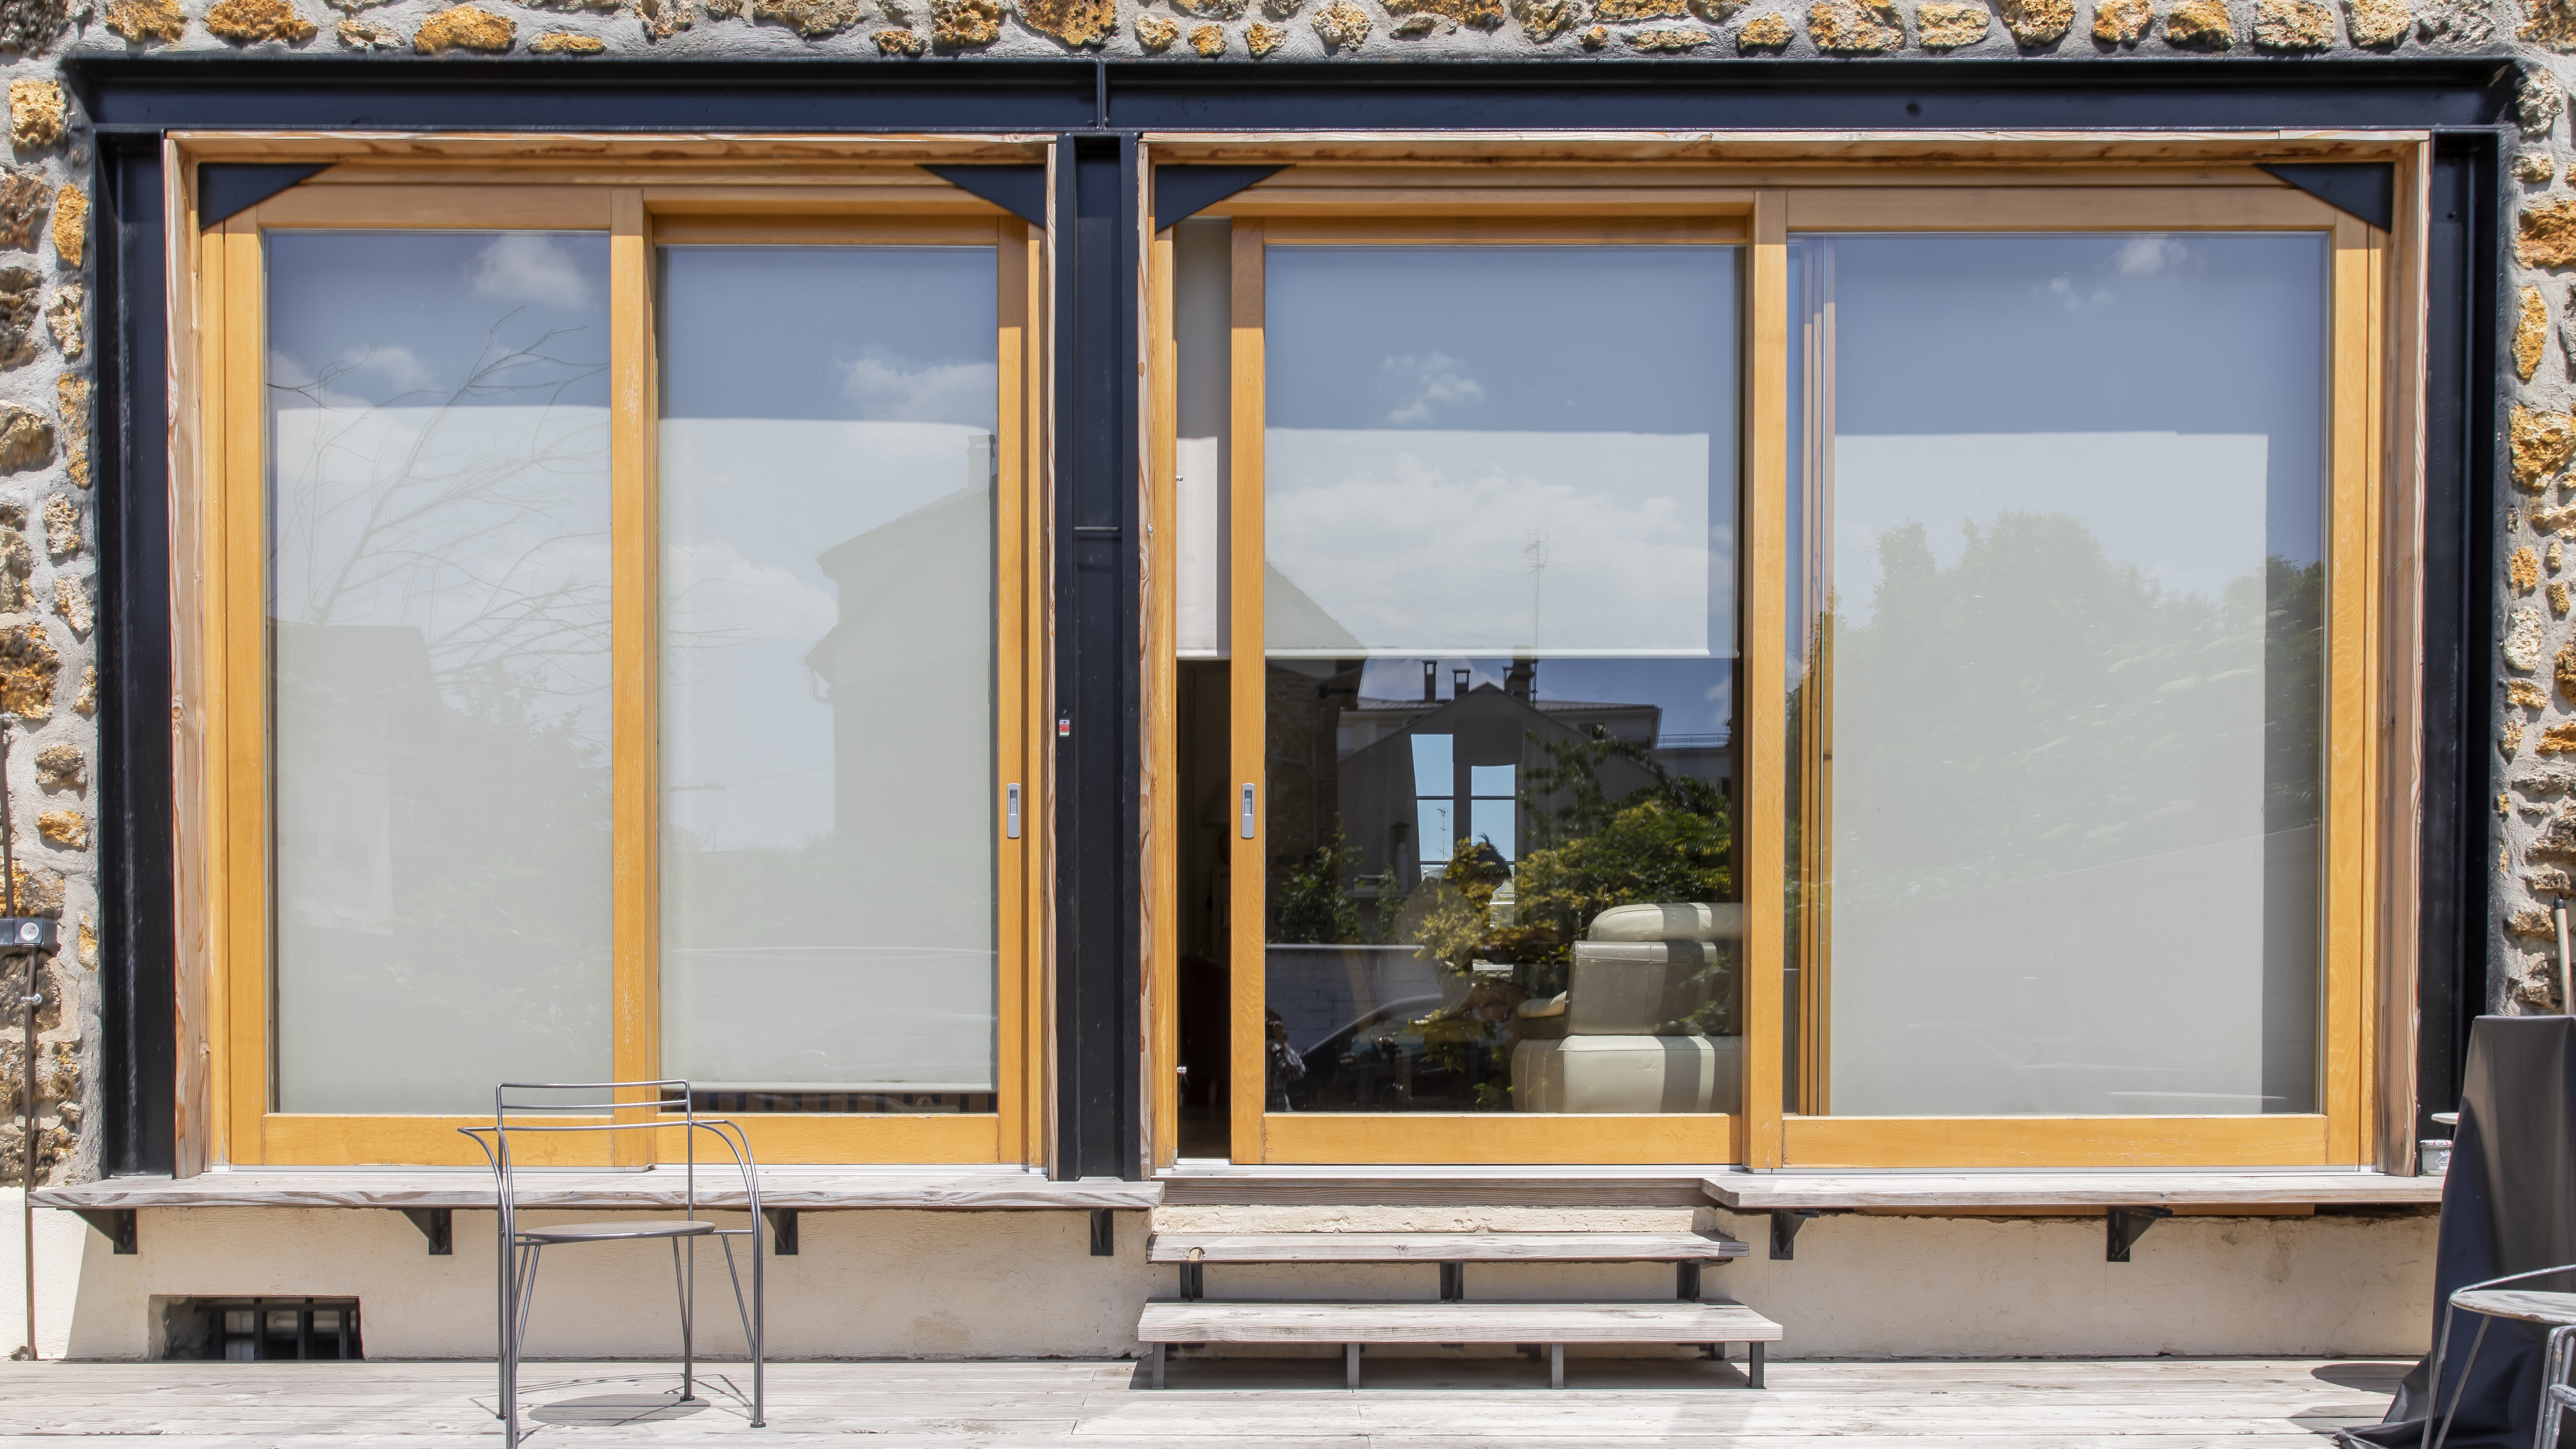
point(1024, 1284)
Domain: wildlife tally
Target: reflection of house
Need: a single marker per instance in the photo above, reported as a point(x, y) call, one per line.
point(1433, 772)
point(911, 661)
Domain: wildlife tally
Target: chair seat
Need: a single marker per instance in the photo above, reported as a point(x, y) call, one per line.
point(606, 1232)
point(2556, 1309)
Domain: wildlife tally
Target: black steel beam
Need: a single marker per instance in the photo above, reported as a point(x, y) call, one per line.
point(161, 90)
point(133, 98)
point(129, 463)
point(2461, 424)
point(1098, 716)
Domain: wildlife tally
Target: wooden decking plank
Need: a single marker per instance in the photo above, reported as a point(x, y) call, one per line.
point(1441, 1247)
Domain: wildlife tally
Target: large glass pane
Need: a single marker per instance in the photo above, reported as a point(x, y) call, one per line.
point(2061, 699)
point(827, 676)
point(1500, 639)
point(438, 646)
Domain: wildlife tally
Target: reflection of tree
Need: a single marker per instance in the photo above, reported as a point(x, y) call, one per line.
point(416, 527)
point(1315, 904)
point(443, 810)
point(2035, 707)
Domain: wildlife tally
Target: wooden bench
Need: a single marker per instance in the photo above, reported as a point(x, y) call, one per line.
point(1191, 1318)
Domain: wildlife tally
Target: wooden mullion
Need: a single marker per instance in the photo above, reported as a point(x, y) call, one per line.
point(635, 606)
point(238, 642)
point(2349, 670)
point(200, 1091)
point(1161, 865)
point(1014, 1081)
point(1037, 676)
point(1762, 859)
point(1248, 1089)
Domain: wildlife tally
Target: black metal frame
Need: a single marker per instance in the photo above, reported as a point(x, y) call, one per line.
point(1097, 108)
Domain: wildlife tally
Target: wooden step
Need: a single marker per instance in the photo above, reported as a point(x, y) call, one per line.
point(1167, 1322)
point(1176, 1321)
point(1441, 1248)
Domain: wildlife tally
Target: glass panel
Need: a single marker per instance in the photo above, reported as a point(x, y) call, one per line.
point(828, 676)
point(2062, 719)
point(438, 645)
point(1500, 630)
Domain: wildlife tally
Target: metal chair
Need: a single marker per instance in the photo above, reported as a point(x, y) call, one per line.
point(2490, 1300)
point(522, 1248)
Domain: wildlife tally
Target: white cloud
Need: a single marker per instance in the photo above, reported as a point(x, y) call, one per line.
point(1435, 380)
point(526, 267)
point(2144, 256)
point(889, 389)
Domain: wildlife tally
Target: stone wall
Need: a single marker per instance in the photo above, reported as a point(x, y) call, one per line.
point(48, 570)
point(2536, 730)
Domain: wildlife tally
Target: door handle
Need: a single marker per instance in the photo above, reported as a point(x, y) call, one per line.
point(1247, 812)
point(1011, 815)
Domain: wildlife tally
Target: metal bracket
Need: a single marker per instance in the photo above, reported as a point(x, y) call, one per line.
point(1453, 1282)
point(2128, 1224)
point(782, 1231)
point(114, 1224)
point(1785, 1223)
point(1193, 1281)
point(438, 1225)
point(1104, 1233)
point(1686, 1280)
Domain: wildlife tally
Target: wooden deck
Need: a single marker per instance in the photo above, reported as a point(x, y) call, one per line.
point(1416, 1403)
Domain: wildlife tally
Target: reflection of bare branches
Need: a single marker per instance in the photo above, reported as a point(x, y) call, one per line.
point(487, 532)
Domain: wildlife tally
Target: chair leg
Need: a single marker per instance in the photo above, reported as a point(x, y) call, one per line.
point(755, 1323)
point(1350, 1365)
point(2553, 1373)
point(1158, 1365)
point(688, 1346)
point(1556, 1365)
point(1753, 1365)
point(515, 1316)
point(2457, 1394)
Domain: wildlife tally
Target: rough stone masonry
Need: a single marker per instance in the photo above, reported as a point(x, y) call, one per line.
point(47, 559)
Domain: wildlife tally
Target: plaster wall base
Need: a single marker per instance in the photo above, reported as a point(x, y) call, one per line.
point(888, 1284)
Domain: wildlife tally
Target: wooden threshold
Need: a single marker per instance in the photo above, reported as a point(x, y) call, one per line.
point(1760, 1191)
point(657, 1188)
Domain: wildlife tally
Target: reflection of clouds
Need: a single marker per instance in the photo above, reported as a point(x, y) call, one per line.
point(895, 389)
point(529, 267)
point(2139, 256)
point(2144, 256)
point(1431, 379)
point(400, 367)
point(716, 594)
point(2186, 509)
point(1420, 542)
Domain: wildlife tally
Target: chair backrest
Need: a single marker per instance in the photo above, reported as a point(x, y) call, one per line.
point(524, 1108)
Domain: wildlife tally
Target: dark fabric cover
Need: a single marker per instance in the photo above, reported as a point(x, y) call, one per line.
point(2508, 1206)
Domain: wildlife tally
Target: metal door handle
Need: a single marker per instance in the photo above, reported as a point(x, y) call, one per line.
point(1011, 815)
point(1247, 812)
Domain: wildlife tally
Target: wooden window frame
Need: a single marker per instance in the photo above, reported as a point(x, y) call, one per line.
point(853, 197)
point(1398, 189)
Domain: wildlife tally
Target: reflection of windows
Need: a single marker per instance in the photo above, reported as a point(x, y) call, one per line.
point(1435, 798)
point(1491, 815)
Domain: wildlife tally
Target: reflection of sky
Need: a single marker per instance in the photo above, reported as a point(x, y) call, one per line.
point(1632, 339)
point(811, 395)
point(2139, 333)
point(439, 448)
point(404, 316)
point(888, 334)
